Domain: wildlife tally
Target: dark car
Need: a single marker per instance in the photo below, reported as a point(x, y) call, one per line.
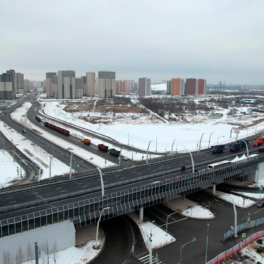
point(260, 204)
point(24, 130)
point(261, 150)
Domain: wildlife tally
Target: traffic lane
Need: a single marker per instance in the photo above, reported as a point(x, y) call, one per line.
point(118, 179)
point(58, 152)
point(74, 140)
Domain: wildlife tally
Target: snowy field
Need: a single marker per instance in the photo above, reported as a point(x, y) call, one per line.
point(8, 169)
point(162, 134)
point(74, 255)
point(38, 155)
point(20, 116)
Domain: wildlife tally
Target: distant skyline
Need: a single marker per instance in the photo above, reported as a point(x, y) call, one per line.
point(160, 40)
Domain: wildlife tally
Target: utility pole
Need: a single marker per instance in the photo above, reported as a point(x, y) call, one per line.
point(36, 253)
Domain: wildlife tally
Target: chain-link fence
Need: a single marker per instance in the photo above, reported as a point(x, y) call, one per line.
point(244, 226)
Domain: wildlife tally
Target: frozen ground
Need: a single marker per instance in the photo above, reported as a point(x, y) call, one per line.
point(238, 200)
point(185, 134)
point(259, 196)
point(250, 251)
point(8, 169)
point(38, 155)
point(159, 238)
point(20, 116)
point(74, 255)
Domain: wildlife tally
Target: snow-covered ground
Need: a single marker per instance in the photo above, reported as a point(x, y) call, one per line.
point(159, 87)
point(35, 153)
point(20, 116)
point(259, 196)
point(10, 170)
point(161, 134)
point(238, 200)
point(198, 212)
point(74, 255)
point(250, 251)
point(159, 238)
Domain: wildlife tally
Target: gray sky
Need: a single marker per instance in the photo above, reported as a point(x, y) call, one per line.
point(160, 39)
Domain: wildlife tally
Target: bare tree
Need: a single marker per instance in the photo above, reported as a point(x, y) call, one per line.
point(54, 250)
point(7, 258)
point(30, 255)
point(45, 247)
point(20, 256)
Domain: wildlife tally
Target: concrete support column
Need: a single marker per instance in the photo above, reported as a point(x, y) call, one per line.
point(213, 189)
point(141, 213)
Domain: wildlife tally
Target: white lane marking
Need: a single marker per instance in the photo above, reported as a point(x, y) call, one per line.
point(176, 221)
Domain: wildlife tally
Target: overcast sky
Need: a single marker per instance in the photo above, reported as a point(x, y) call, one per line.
point(160, 39)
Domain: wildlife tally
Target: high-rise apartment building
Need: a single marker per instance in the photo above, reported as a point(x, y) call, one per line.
point(117, 87)
point(169, 87)
point(6, 91)
point(144, 86)
point(27, 85)
point(90, 84)
point(122, 85)
point(14, 83)
point(201, 86)
point(177, 86)
point(66, 84)
point(84, 86)
point(20, 83)
point(191, 86)
point(78, 88)
point(48, 84)
point(54, 86)
point(106, 84)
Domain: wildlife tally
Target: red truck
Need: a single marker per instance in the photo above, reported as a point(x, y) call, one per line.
point(86, 141)
point(103, 147)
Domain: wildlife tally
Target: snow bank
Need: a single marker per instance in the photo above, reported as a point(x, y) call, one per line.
point(198, 212)
point(8, 169)
point(159, 238)
point(231, 197)
point(20, 116)
point(74, 255)
point(259, 196)
point(35, 153)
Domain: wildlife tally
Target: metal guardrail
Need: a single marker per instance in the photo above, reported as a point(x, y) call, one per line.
point(122, 202)
point(244, 226)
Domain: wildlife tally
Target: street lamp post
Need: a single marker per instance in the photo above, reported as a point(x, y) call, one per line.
point(102, 182)
point(209, 140)
point(50, 167)
point(172, 145)
point(246, 147)
point(235, 215)
point(205, 261)
point(167, 221)
point(96, 246)
point(148, 151)
point(191, 159)
point(218, 138)
point(71, 166)
point(200, 141)
point(120, 157)
point(193, 240)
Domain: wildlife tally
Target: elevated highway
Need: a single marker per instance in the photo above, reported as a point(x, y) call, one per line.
point(126, 189)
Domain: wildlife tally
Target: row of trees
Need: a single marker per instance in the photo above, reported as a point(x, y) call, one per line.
point(28, 254)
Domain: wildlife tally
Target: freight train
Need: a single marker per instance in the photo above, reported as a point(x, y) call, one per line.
point(59, 129)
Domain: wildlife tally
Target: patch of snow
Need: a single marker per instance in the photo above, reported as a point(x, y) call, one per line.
point(35, 153)
point(159, 238)
point(74, 255)
point(259, 196)
point(8, 169)
point(198, 212)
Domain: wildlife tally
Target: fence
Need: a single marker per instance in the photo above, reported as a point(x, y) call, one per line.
point(244, 226)
point(228, 253)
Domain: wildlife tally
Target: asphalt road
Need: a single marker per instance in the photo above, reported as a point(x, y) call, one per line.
point(184, 229)
point(57, 152)
point(91, 148)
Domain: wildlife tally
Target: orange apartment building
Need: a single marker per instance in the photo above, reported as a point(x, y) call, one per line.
point(177, 86)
